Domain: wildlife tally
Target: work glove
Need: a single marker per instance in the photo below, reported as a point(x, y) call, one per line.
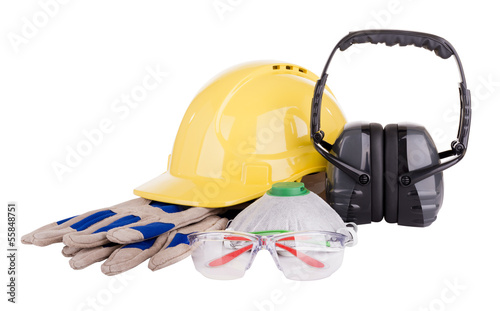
point(126, 223)
point(164, 250)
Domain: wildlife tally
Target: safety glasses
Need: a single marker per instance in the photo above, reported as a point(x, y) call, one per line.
point(307, 255)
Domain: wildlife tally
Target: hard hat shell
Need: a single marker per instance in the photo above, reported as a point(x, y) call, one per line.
point(244, 131)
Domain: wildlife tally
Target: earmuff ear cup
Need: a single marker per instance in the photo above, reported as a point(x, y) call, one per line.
point(391, 173)
point(350, 199)
point(418, 204)
point(377, 171)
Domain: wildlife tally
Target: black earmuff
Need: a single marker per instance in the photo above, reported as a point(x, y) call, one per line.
point(393, 172)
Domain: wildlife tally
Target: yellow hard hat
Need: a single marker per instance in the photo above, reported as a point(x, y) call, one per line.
point(244, 131)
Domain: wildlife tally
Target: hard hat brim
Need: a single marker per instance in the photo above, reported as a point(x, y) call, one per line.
point(205, 192)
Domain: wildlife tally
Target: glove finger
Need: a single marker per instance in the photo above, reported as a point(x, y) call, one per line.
point(144, 230)
point(88, 256)
point(195, 215)
point(54, 234)
point(61, 224)
point(69, 251)
point(177, 246)
point(147, 230)
point(96, 235)
point(29, 237)
point(131, 255)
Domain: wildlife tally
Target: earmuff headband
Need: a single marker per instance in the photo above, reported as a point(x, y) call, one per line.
point(441, 48)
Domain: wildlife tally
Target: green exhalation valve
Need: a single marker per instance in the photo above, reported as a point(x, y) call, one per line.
point(288, 189)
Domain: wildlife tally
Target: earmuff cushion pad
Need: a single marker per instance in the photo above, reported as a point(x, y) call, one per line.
point(377, 171)
point(391, 173)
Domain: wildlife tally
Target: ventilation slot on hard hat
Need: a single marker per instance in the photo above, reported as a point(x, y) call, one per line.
point(276, 67)
point(289, 67)
point(302, 70)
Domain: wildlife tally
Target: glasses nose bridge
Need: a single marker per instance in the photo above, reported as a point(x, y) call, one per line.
point(268, 244)
point(265, 243)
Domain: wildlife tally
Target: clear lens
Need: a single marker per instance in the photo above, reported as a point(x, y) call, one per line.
point(222, 256)
point(226, 255)
point(308, 256)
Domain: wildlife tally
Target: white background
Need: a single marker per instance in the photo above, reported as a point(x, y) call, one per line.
point(63, 80)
